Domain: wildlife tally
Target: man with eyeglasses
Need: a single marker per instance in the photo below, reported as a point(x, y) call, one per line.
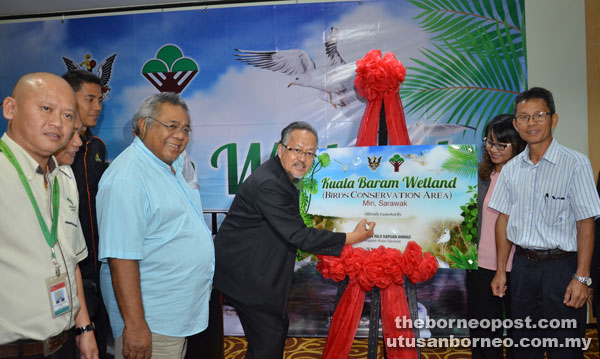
point(156, 250)
point(256, 245)
point(547, 203)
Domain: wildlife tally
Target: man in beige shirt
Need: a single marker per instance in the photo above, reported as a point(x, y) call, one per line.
point(40, 301)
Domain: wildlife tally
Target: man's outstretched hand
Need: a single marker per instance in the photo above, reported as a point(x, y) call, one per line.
point(363, 231)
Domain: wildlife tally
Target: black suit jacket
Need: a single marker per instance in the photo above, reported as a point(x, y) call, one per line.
point(255, 248)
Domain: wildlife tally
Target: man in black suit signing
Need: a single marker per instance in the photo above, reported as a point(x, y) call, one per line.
point(256, 245)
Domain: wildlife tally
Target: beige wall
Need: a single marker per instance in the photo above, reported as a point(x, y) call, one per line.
point(556, 60)
point(563, 55)
point(592, 25)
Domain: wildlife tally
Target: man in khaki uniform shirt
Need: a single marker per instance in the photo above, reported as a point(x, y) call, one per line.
point(39, 300)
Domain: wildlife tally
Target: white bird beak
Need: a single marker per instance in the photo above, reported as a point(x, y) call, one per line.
point(291, 83)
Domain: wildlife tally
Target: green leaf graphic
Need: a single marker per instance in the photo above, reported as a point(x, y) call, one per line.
point(169, 54)
point(154, 66)
point(184, 64)
point(476, 66)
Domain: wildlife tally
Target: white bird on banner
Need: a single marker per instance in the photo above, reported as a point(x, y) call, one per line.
point(422, 160)
point(335, 80)
point(419, 131)
point(444, 238)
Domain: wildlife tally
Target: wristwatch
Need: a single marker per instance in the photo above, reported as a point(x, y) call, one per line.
point(88, 328)
point(585, 280)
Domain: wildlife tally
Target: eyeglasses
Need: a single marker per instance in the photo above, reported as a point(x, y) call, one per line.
point(298, 152)
point(497, 145)
point(538, 116)
point(172, 128)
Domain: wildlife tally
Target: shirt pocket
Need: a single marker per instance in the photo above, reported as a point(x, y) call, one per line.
point(556, 211)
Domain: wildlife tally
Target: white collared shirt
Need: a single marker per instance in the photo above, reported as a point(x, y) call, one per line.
point(544, 201)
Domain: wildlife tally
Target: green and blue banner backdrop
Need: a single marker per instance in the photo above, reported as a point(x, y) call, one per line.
point(248, 71)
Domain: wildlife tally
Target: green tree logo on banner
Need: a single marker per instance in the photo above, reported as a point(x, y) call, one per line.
point(396, 161)
point(170, 71)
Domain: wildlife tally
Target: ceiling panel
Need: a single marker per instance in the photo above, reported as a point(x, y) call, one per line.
point(14, 9)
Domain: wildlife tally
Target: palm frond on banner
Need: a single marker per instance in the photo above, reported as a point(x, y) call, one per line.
point(452, 21)
point(462, 160)
point(466, 87)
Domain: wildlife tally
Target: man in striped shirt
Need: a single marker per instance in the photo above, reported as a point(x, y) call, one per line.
point(547, 203)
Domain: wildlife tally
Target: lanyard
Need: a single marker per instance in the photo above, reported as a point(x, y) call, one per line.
point(49, 236)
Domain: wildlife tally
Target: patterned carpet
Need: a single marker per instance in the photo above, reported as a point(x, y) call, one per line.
point(309, 348)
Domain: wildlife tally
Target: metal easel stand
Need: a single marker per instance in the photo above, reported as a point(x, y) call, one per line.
point(375, 315)
point(409, 287)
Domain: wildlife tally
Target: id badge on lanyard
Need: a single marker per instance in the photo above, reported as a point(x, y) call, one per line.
point(60, 303)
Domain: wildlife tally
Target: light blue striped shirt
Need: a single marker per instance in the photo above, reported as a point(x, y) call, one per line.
point(545, 200)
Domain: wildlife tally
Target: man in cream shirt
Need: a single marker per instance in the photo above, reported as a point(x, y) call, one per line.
point(39, 256)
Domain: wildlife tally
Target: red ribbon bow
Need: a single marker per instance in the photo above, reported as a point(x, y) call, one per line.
point(378, 80)
point(381, 267)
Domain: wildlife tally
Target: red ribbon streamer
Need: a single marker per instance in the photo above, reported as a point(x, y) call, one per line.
point(342, 329)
